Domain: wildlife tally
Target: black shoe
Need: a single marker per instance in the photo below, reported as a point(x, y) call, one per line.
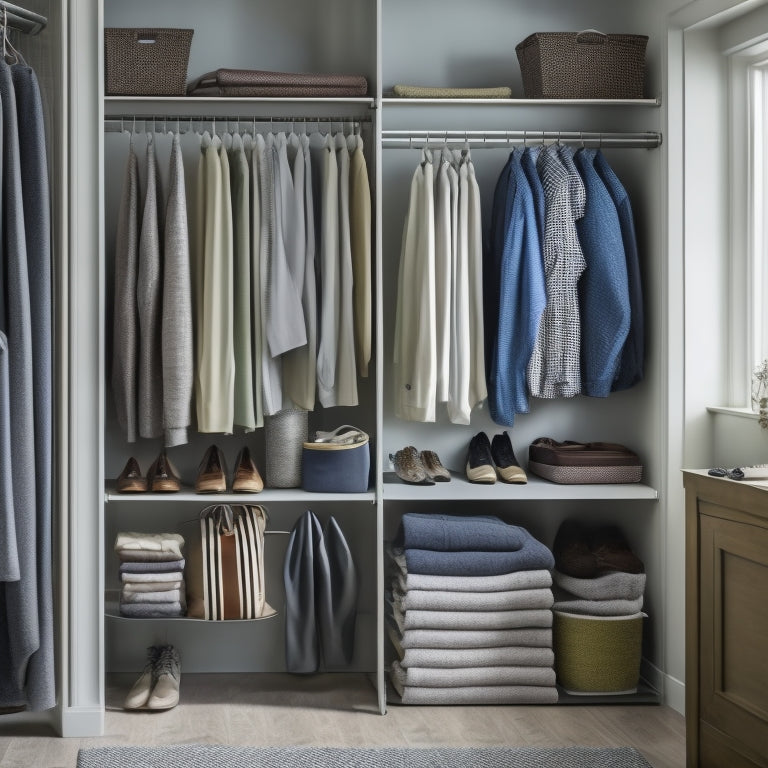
point(508, 466)
point(480, 467)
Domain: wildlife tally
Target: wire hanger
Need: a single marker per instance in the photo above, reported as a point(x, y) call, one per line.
point(8, 48)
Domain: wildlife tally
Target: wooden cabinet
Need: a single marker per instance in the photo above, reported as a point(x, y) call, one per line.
point(726, 622)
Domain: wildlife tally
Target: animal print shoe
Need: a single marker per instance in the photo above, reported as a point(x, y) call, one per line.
point(409, 468)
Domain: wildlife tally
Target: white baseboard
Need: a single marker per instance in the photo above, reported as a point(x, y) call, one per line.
point(82, 722)
point(674, 694)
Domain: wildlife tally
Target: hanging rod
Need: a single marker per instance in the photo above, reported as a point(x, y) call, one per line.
point(186, 124)
point(29, 22)
point(479, 139)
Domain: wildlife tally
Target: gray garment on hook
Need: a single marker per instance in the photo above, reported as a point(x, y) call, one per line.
point(125, 328)
point(9, 554)
point(257, 343)
point(176, 337)
point(149, 295)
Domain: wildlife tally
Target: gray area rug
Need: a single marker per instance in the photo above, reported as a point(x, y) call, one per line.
point(218, 756)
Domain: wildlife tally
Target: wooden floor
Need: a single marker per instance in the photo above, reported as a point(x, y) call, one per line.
point(276, 710)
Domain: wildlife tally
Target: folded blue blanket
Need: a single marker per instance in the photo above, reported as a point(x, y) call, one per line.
point(455, 533)
point(533, 555)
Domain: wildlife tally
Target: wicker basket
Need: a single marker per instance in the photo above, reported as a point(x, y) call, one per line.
point(597, 654)
point(582, 65)
point(146, 62)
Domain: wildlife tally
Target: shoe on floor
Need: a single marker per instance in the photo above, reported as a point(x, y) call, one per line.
point(434, 469)
point(480, 467)
point(162, 476)
point(138, 696)
point(507, 465)
point(246, 477)
point(130, 480)
point(409, 468)
point(211, 472)
point(165, 694)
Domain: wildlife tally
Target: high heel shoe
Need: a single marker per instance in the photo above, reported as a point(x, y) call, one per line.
point(211, 473)
point(162, 476)
point(130, 480)
point(246, 477)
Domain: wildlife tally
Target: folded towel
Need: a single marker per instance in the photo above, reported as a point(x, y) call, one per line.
point(167, 543)
point(462, 658)
point(152, 586)
point(137, 578)
point(146, 556)
point(532, 556)
point(433, 600)
point(152, 567)
point(426, 92)
point(169, 596)
point(534, 637)
point(612, 586)
point(458, 533)
point(151, 610)
point(568, 603)
point(468, 676)
point(225, 80)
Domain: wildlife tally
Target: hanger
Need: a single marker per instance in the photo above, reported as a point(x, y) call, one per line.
point(8, 49)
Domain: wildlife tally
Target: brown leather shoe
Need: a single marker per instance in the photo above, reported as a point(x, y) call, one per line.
point(162, 476)
point(211, 474)
point(130, 479)
point(246, 477)
point(434, 468)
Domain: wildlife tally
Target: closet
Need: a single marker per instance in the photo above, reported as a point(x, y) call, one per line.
point(389, 42)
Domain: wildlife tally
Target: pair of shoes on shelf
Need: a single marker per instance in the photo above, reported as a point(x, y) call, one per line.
point(212, 473)
point(486, 459)
point(158, 685)
point(419, 468)
point(586, 553)
point(162, 477)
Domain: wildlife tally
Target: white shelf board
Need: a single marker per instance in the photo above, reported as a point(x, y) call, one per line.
point(536, 489)
point(190, 105)
point(397, 101)
point(188, 494)
point(112, 611)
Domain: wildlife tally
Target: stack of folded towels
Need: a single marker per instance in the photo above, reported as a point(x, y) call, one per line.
point(469, 613)
point(152, 574)
point(596, 573)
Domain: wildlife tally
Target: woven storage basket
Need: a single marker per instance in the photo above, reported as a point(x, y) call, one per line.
point(597, 654)
point(582, 65)
point(146, 62)
point(285, 435)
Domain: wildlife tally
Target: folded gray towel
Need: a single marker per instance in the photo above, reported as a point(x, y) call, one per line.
point(568, 603)
point(611, 586)
point(146, 556)
point(157, 566)
point(137, 578)
point(151, 610)
point(468, 638)
point(449, 678)
point(434, 600)
point(170, 596)
point(152, 586)
point(462, 658)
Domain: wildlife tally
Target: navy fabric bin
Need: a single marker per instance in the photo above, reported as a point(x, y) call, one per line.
point(333, 468)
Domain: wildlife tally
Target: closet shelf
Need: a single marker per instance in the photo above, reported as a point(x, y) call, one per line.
point(394, 101)
point(112, 611)
point(536, 489)
point(268, 495)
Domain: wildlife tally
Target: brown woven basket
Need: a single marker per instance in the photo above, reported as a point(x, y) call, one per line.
point(146, 62)
point(582, 65)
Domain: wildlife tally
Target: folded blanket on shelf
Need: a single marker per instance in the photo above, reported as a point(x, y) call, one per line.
point(152, 586)
point(163, 543)
point(475, 694)
point(151, 610)
point(137, 578)
point(463, 658)
point(152, 567)
point(458, 533)
point(449, 678)
point(568, 603)
point(432, 600)
point(611, 586)
point(145, 556)
point(170, 596)
point(223, 82)
point(470, 619)
point(427, 92)
point(533, 637)
point(532, 556)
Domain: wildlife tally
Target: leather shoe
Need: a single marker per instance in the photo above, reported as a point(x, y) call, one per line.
point(507, 465)
point(130, 480)
point(409, 468)
point(138, 696)
point(480, 467)
point(246, 477)
point(211, 473)
point(434, 468)
point(162, 476)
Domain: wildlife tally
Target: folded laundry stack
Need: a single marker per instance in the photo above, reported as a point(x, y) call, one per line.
point(259, 82)
point(469, 612)
point(152, 574)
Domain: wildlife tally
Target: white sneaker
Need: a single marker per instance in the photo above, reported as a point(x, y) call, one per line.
point(165, 694)
point(139, 694)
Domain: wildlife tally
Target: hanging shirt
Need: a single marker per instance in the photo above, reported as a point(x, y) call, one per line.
point(444, 241)
point(415, 353)
point(632, 354)
point(255, 285)
point(603, 288)
point(554, 369)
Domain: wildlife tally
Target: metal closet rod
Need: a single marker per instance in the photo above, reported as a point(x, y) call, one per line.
point(195, 123)
point(25, 21)
point(478, 139)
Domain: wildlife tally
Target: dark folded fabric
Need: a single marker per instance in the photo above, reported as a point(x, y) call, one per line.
point(257, 82)
point(455, 533)
point(584, 553)
point(167, 566)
